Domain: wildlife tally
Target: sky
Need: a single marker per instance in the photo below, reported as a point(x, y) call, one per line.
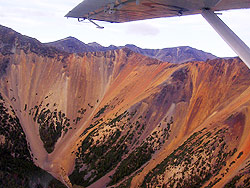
point(45, 21)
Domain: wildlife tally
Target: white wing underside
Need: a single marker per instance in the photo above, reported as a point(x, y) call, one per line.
point(131, 10)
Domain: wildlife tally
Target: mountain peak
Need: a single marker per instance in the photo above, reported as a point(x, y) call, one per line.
point(131, 46)
point(95, 44)
point(69, 44)
point(177, 55)
point(72, 39)
point(10, 41)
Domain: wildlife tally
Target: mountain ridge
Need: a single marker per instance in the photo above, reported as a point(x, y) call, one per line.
point(73, 45)
point(174, 55)
point(10, 40)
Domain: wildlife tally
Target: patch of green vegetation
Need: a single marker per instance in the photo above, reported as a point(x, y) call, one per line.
point(25, 107)
point(194, 172)
point(78, 178)
point(133, 162)
point(17, 172)
point(240, 154)
point(126, 184)
point(80, 113)
point(52, 124)
point(117, 119)
point(103, 148)
point(17, 169)
point(108, 142)
point(100, 158)
point(99, 121)
point(242, 179)
point(101, 111)
point(233, 182)
point(11, 130)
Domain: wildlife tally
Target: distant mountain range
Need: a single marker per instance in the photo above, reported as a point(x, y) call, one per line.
point(174, 55)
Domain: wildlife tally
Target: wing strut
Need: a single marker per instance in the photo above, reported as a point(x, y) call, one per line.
point(238, 46)
point(97, 25)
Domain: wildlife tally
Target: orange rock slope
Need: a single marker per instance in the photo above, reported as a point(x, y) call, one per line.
point(121, 119)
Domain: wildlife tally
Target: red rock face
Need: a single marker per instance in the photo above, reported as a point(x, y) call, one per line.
point(120, 118)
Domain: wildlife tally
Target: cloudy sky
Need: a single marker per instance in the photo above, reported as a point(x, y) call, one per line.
point(45, 21)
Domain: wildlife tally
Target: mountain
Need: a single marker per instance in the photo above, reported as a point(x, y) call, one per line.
point(120, 119)
point(178, 55)
point(174, 55)
point(73, 45)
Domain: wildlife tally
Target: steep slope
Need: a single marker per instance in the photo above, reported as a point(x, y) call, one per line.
point(121, 119)
point(174, 55)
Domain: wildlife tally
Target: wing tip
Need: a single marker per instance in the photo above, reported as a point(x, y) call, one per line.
point(68, 14)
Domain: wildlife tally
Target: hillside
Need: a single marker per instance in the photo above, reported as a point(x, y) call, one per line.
point(173, 55)
point(120, 119)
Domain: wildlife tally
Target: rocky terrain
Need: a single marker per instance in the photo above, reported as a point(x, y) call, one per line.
point(174, 55)
point(73, 45)
point(120, 119)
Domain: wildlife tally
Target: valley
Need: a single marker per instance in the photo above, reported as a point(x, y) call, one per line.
point(118, 118)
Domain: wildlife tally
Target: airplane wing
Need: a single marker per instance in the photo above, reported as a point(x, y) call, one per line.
point(131, 10)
